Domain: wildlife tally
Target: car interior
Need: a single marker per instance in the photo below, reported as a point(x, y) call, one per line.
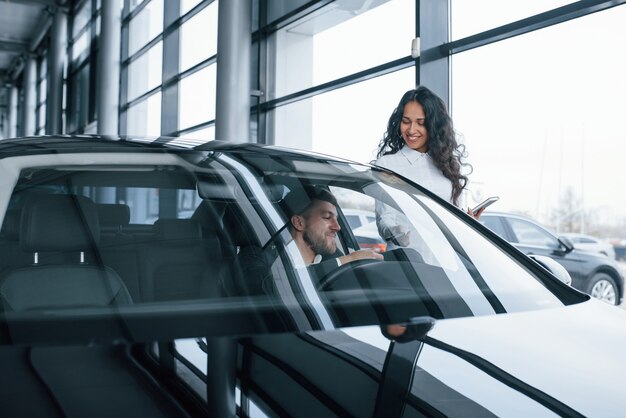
point(200, 311)
point(60, 250)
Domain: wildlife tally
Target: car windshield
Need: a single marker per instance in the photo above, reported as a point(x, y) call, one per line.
point(160, 245)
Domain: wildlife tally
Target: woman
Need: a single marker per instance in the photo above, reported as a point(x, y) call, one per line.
point(420, 144)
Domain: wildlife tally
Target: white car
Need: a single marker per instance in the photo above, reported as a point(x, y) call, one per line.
point(358, 217)
point(589, 243)
point(368, 237)
point(219, 315)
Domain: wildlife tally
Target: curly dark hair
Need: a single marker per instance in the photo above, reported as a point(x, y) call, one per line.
point(442, 145)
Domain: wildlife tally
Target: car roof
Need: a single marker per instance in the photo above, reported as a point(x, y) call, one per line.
point(109, 143)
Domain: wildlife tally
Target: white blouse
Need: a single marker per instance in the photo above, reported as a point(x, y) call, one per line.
point(420, 168)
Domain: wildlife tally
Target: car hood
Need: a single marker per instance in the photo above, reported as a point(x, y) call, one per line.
point(573, 354)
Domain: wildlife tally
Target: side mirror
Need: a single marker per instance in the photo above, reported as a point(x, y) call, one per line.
point(567, 243)
point(415, 329)
point(553, 267)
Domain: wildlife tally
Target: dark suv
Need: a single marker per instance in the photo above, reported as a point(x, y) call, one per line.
point(592, 273)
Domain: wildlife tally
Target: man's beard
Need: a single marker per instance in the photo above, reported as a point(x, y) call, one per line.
point(318, 244)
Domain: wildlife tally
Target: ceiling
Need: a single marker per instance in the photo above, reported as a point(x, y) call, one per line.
point(20, 24)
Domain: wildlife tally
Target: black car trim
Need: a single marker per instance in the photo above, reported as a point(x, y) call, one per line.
point(301, 295)
point(245, 382)
point(405, 384)
point(46, 386)
point(474, 274)
point(431, 403)
point(501, 375)
point(267, 400)
point(397, 378)
point(295, 375)
point(355, 362)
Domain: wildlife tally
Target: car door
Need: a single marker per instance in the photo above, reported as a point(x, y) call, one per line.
point(534, 239)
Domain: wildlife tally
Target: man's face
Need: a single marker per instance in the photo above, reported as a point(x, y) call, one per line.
point(321, 227)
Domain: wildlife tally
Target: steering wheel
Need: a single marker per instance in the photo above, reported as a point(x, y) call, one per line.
point(403, 254)
point(342, 272)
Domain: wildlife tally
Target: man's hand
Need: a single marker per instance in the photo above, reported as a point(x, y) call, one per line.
point(360, 255)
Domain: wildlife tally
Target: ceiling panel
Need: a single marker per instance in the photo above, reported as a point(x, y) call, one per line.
point(18, 24)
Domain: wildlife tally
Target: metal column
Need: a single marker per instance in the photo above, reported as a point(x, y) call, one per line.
point(434, 65)
point(30, 97)
point(108, 71)
point(232, 118)
point(56, 65)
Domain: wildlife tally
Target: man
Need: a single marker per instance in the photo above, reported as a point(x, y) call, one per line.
point(314, 228)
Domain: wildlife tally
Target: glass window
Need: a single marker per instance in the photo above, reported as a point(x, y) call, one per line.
point(197, 97)
point(81, 18)
point(574, 106)
point(41, 119)
point(43, 85)
point(144, 118)
point(195, 137)
point(198, 37)
point(187, 5)
point(78, 105)
point(530, 234)
point(145, 72)
point(468, 18)
point(353, 220)
point(132, 4)
point(312, 51)
point(495, 224)
point(80, 45)
point(145, 26)
point(349, 121)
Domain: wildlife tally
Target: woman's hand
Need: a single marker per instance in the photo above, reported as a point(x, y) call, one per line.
point(475, 215)
point(400, 235)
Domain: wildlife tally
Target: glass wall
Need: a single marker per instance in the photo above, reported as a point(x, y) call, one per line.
point(326, 76)
point(470, 17)
point(42, 85)
point(179, 58)
point(82, 53)
point(347, 113)
point(542, 117)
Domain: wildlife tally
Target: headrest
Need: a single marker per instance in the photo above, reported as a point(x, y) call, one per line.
point(59, 223)
point(112, 214)
point(238, 231)
point(299, 199)
point(11, 225)
point(177, 229)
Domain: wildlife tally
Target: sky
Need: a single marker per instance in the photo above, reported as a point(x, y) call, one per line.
point(539, 114)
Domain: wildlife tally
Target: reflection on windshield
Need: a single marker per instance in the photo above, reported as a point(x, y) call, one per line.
point(214, 242)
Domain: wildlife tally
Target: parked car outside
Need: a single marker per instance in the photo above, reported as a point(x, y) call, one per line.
point(358, 217)
point(591, 272)
point(591, 243)
point(218, 315)
point(367, 236)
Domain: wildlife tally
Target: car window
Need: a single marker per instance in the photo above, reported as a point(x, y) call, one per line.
point(353, 220)
point(530, 234)
point(238, 244)
point(495, 224)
